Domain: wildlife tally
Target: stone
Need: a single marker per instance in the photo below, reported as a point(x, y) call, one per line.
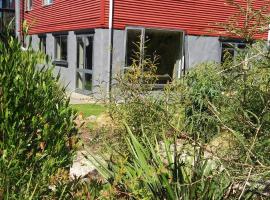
point(91, 118)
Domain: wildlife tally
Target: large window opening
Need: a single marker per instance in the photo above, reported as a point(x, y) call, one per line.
point(84, 74)
point(164, 44)
point(7, 13)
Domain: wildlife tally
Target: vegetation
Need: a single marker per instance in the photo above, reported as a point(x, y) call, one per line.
point(89, 109)
point(213, 123)
point(37, 132)
point(161, 172)
point(217, 112)
point(205, 136)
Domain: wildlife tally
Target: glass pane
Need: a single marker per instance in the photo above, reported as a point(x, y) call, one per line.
point(80, 54)
point(42, 44)
point(58, 49)
point(133, 46)
point(63, 47)
point(166, 46)
point(227, 45)
point(241, 46)
point(79, 80)
point(88, 41)
point(8, 3)
point(88, 82)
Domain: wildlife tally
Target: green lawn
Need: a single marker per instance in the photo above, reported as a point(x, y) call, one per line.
point(89, 109)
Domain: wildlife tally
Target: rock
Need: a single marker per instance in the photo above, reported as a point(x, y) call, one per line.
point(81, 166)
point(85, 168)
point(91, 118)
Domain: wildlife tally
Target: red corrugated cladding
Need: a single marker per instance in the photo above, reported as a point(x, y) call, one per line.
point(65, 15)
point(195, 17)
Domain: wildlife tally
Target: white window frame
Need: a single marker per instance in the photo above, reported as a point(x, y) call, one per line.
point(28, 5)
point(47, 2)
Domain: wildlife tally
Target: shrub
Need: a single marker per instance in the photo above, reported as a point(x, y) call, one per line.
point(162, 171)
point(220, 102)
point(202, 85)
point(135, 100)
point(37, 131)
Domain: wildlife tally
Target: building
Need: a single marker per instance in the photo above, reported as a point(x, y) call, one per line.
point(7, 13)
point(92, 40)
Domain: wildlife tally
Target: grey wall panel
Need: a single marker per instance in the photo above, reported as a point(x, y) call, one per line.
point(67, 73)
point(100, 62)
point(201, 49)
point(118, 51)
point(35, 42)
point(197, 50)
point(17, 18)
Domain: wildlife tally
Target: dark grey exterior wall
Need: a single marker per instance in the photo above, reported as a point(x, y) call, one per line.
point(100, 62)
point(17, 18)
point(67, 73)
point(119, 46)
point(100, 58)
point(199, 49)
point(35, 42)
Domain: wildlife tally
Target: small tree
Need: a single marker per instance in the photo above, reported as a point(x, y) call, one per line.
point(247, 22)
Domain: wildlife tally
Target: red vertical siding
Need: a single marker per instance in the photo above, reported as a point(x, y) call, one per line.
point(64, 15)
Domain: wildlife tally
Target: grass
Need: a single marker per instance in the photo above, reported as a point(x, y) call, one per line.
point(89, 109)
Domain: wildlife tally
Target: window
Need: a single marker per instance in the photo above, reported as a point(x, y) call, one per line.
point(231, 50)
point(167, 45)
point(28, 5)
point(47, 2)
point(84, 70)
point(10, 4)
point(42, 44)
point(7, 13)
point(61, 48)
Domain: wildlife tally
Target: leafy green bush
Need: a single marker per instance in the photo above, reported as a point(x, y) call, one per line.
point(220, 102)
point(202, 86)
point(135, 100)
point(37, 131)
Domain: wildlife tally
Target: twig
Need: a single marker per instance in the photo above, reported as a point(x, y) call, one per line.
point(241, 63)
point(242, 193)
